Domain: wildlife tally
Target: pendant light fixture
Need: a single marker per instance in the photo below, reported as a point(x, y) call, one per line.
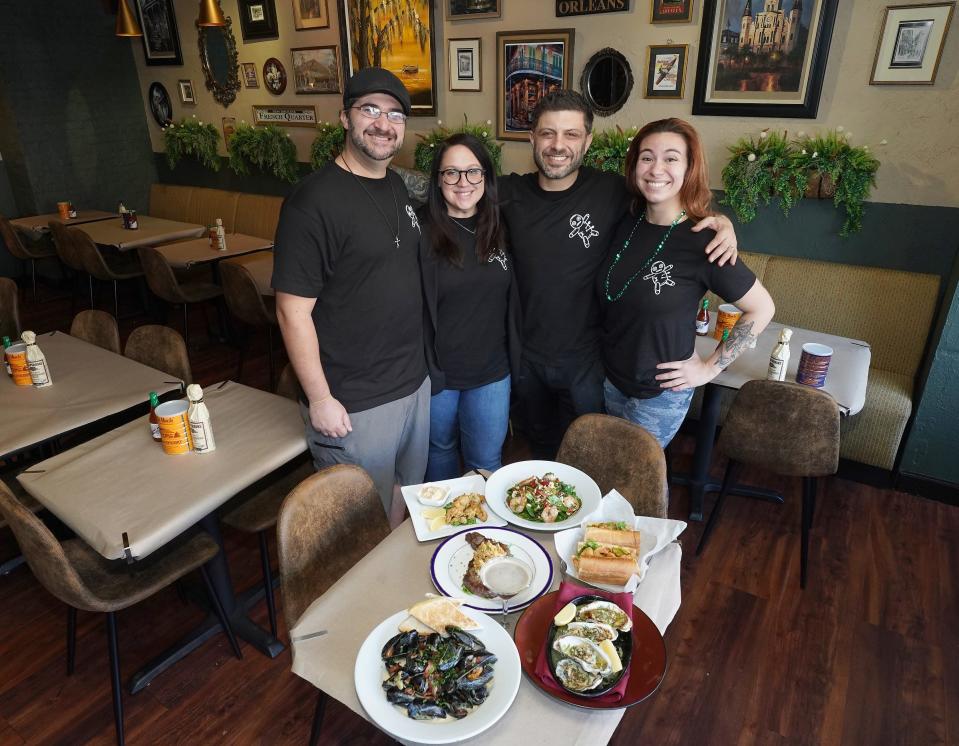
point(210, 14)
point(126, 21)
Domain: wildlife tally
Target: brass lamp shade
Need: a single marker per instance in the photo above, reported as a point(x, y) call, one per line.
point(126, 21)
point(210, 14)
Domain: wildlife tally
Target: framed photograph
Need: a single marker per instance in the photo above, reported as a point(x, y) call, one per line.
point(309, 14)
point(285, 116)
point(458, 10)
point(763, 62)
point(249, 75)
point(464, 65)
point(161, 43)
point(258, 19)
point(397, 36)
point(666, 71)
point(529, 64)
point(186, 91)
point(910, 44)
point(229, 127)
point(274, 76)
point(316, 70)
point(670, 11)
point(160, 105)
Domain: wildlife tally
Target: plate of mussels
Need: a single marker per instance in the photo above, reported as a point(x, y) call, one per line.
point(431, 687)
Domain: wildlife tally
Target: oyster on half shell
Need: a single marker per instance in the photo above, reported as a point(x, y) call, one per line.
point(574, 677)
point(606, 612)
point(585, 652)
point(595, 631)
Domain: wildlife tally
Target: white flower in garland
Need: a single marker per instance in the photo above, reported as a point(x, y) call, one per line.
point(884, 142)
point(751, 157)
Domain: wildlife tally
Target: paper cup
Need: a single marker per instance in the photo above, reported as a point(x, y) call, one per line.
point(17, 357)
point(174, 426)
point(726, 318)
point(63, 208)
point(814, 364)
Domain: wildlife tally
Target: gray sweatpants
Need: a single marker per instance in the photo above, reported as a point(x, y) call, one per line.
point(390, 442)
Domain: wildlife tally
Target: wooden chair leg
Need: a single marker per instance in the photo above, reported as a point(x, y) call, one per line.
point(318, 717)
point(90, 283)
point(269, 349)
point(116, 302)
point(808, 509)
point(267, 580)
point(186, 328)
point(220, 613)
point(115, 676)
point(71, 640)
point(33, 275)
point(732, 471)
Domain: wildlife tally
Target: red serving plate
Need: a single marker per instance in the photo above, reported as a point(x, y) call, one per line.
point(646, 670)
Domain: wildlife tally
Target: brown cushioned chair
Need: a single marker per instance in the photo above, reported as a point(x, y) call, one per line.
point(82, 579)
point(327, 524)
point(244, 301)
point(162, 348)
point(620, 455)
point(9, 309)
point(67, 253)
point(784, 428)
point(98, 328)
point(110, 267)
point(25, 251)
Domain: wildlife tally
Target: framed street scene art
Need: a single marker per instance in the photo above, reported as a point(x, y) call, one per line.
point(161, 43)
point(670, 11)
point(763, 59)
point(316, 70)
point(666, 71)
point(458, 10)
point(309, 14)
point(257, 19)
point(186, 92)
point(529, 64)
point(274, 76)
point(464, 65)
point(910, 44)
point(396, 35)
point(249, 75)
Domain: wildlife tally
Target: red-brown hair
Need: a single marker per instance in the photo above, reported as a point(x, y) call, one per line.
point(695, 196)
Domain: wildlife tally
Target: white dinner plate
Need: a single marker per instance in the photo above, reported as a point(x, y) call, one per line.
point(369, 674)
point(457, 487)
point(452, 557)
point(512, 474)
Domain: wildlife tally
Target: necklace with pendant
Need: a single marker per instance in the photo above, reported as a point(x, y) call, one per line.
point(396, 206)
point(649, 259)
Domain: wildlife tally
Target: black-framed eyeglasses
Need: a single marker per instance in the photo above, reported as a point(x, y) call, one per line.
point(373, 112)
point(452, 176)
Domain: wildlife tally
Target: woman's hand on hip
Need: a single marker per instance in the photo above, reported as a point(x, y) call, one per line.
point(686, 374)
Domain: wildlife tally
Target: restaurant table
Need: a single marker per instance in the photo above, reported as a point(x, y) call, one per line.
point(260, 267)
point(89, 384)
point(187, 253)
point(845, 382)
point(36, 225)
point(396, 574)
point(151, 231)
point(125, 497)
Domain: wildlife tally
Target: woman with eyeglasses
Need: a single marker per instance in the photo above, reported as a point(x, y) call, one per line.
point(472, 329)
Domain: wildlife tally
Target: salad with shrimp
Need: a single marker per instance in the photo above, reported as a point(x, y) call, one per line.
point(544, 499)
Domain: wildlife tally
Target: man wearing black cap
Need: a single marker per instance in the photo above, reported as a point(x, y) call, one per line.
point(348, 297)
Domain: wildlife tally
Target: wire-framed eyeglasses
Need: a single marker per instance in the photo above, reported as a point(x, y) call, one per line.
point(373, 112)
point(452, 176)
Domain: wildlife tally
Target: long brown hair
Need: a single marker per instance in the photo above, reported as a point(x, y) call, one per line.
point(695, 196)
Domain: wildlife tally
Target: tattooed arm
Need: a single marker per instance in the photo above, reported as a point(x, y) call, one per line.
point(758, 309)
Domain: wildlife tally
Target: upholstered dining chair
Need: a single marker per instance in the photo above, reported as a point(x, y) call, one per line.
point(326, 525)
point(113, 267)
point(82, 579)
point(620, 455)
point(244, 301)
point(67, 253)
point(9, 309)
point(25, 251)
point(162, 348)
point(785, 428)
point(98, 328)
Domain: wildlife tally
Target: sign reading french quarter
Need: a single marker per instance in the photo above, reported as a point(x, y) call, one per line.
point(285, 116)
point(588, 7)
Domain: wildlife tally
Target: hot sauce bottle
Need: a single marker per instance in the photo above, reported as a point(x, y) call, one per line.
point(702, 319)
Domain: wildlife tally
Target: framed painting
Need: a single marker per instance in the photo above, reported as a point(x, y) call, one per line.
point(257, 19)
point(249, 75)
point(229, 129)
point(458, 10)
point(161, 42)
point(666, 71)
point(274, 76)
point(316, 70)
point(187, 96)
point(395, 36)
point(670, 11)
point(529, 64)
point(763, 62)
point(160, 105)
point(464, 65)
point(910, 44)
point(308, 14)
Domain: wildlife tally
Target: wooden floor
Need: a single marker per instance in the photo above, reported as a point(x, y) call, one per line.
point(868, 654)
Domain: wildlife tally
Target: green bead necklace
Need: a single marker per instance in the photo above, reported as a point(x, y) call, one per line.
point(648, 261)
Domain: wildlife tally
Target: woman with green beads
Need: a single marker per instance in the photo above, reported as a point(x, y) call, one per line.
point(653, 280)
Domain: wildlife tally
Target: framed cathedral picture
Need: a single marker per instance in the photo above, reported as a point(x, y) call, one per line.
point(910, 44)
point(763, 58)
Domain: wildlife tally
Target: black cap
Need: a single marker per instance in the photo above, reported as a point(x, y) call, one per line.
point(376, 80)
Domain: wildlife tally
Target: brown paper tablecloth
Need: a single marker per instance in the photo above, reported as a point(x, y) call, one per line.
point(260, 267)
point(89, 383)
point(36, 225)
point(848, 371)
point(188, 253)
point(124, 482)
point(152, 231)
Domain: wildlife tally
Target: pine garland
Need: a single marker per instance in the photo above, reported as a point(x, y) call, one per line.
point(268, 148)
point(194, 139)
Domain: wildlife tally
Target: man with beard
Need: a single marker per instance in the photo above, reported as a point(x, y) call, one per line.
point(561, 220)
point(348, 298)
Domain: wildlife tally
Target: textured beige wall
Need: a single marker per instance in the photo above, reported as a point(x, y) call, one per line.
point(920, 162)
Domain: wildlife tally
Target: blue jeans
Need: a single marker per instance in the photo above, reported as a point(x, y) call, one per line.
point(475, 420)
point(660, 416)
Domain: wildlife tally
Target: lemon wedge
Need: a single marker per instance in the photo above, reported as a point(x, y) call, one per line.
point(607, 647)
point(438, 522)
point(431, 513)
point(565, 615)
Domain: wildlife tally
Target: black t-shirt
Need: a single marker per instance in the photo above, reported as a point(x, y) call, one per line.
point(559, 240)
point(333, 244)
point(471, 304)
point(655, 319)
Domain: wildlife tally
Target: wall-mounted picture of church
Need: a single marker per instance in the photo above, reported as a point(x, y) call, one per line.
point(764, 52)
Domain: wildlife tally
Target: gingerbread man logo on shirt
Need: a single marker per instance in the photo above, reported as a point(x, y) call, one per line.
point(583, 227)
point(659, 274)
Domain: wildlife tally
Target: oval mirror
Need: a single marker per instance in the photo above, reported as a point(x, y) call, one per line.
point(219, 60)
point(607, 81)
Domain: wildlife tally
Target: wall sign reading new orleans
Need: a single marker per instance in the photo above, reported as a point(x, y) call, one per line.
point(588, 7)
point(285, 116)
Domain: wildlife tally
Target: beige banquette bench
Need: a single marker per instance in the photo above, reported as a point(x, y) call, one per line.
point(891, 310)
point(253, 214)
